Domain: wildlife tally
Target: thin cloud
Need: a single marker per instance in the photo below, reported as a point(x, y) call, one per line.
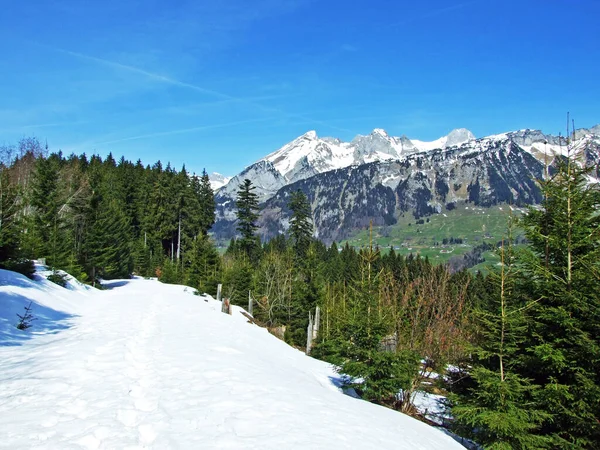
point(194, 87)
point(151, 75)
point(42, 125)
point(181, 131)
point(436, 12)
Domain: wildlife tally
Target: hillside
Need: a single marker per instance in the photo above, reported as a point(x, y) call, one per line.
point(148, 365)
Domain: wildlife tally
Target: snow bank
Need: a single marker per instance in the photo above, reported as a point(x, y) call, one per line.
point(148, 365)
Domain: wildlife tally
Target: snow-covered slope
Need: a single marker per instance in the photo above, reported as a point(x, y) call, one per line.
point(148, 365)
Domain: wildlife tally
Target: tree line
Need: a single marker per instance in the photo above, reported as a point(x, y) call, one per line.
point(517, 351)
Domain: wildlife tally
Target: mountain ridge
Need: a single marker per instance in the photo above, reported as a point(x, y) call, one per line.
point(380, 177)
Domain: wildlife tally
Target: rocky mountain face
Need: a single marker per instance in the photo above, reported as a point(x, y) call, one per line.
point(378, 178)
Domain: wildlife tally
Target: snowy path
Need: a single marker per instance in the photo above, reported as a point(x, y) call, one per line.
point(147, 365)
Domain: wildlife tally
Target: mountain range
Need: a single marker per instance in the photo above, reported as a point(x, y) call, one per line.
point(378, 177)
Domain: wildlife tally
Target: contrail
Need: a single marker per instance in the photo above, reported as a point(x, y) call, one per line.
point(437, 12)
point(194, 87)
point(180, 131)
point(146, 73)
point(41, 125)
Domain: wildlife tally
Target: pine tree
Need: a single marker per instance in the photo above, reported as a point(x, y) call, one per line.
point(247, 215)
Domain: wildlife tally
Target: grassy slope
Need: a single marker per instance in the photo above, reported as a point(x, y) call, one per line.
point(474, 225)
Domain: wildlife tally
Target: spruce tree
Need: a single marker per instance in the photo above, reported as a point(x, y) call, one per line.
point(9, 208)
point(301, 227)
point(562, 269)
point(203, 266)
point(382, 374)
point(247, 215)
point(497, 411)
point(206, 200)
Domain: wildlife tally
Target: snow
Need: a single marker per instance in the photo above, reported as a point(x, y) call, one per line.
point(432, 407)
point(381, 132)
point(425, 146)
point(457, 137)
point(148, 365)
point(217, 180)
point(328, 154)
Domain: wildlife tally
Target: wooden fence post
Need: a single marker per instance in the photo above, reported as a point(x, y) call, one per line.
point(250, 303)
point(312, 330)
point(226, 306)
point(309, 332)
point(315, 333)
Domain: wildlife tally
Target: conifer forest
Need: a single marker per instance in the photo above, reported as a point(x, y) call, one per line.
point(516, 351)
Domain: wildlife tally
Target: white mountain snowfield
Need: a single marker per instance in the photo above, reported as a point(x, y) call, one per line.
point(150, 365)
point(310, 154)
point(217, 180)
point(324, 154)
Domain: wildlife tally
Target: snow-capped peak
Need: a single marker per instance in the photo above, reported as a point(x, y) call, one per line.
point(456, 137)
point(217, 180)
point(308, 154)
point(459, 136)
point(381, 132)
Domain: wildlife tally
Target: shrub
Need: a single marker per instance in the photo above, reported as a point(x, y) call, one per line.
point(19, 265)
point(58, 278)
point(25, 319)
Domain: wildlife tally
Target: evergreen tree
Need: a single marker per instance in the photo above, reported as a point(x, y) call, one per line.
point(497, 411)
point(301, 228)
point(50, 237)
point(381, 374)
point(247, 215)
point(306, 295)
point(206, 200)
point(203, 266)
point(108, 244)
point(562, 269)
point(9, 208)
point(238, 279)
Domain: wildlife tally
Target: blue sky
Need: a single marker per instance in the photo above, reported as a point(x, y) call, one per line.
point(220, 84)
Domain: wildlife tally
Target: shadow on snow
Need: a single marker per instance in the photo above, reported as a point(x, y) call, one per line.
point(48, 320)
